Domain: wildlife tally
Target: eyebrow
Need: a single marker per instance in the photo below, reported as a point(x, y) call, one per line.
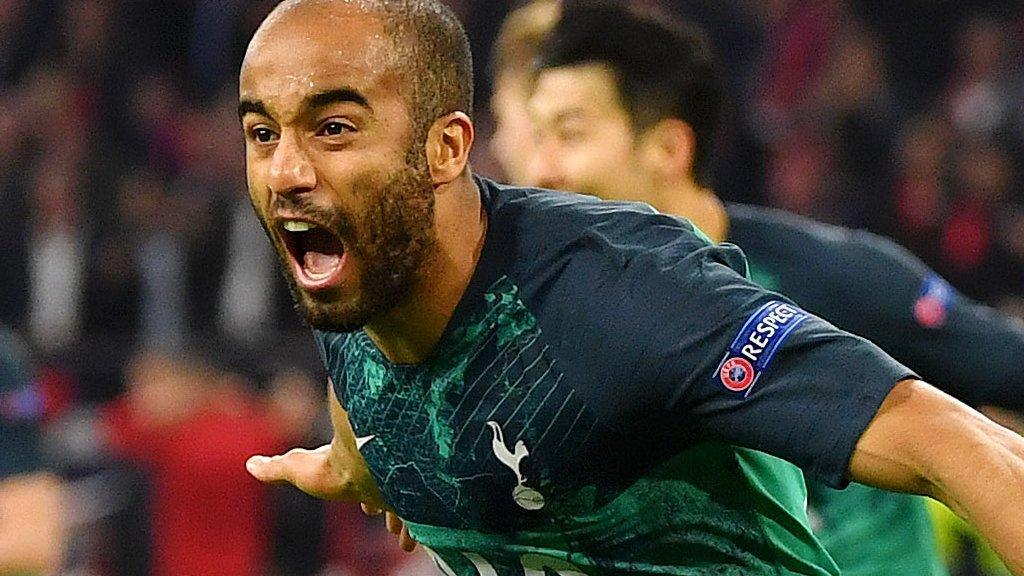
point(251, 107)
point(576, 113)
point(313, 101)
point(336, 96)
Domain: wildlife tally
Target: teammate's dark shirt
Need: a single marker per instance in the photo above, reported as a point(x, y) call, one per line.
point(602, 400)
point(872, 287)
point(21, 406)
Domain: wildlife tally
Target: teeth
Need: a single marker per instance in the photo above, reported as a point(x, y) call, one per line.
point(296, 226)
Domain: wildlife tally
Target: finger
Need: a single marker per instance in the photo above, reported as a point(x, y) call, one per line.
point(370, 509)
point(405, 541)
point(393, 522)
point(282, 469)
point(266, 469)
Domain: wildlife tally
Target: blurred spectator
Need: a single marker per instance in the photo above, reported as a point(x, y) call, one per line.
point(157, 225)
point(213, 47)
point(856, 106)
point(982, 185)
point(207, 189)
point(14, 219)
point(802, 177)
point(155, 110)
point(979, 97)
point(920, 196)
point(800, 36)
point(22, 27)
point(190, 428)
point(57, 256)
point(30, 497)
point(245, 308)
point(87, 50)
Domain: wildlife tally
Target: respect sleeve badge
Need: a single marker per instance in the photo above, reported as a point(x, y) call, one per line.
point(753, 349)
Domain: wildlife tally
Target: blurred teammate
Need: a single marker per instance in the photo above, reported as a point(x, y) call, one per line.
point(545, 382)
point(515, 51)
point(30, 534)
point(627, 107)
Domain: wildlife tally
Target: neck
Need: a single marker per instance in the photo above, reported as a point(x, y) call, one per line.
point(409, 333)
point(695, 203)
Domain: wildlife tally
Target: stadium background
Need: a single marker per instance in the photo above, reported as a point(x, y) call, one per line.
point(166, 344)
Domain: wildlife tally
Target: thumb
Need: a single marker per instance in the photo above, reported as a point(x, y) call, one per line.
point(307, 470)
point(288, 468)
point(268, 469)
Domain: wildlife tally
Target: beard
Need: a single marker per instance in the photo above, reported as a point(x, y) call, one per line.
point(392, 242)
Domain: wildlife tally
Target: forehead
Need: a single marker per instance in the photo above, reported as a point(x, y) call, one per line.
point(586, 89)
point(314, 49)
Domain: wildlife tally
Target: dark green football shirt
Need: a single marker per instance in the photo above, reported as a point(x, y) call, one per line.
point(611, 397)
point(21, 406)
point(872, 287)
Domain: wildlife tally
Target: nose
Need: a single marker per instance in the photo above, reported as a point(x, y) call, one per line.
point(544, 169)
point(291, 171)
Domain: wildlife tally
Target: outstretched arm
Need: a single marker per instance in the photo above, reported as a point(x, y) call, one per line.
point(925, 442)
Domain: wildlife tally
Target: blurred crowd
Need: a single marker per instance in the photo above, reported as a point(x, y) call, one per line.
point(166, 343)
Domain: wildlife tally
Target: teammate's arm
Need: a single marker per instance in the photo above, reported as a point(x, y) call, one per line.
point(962, 347)
point(30, 524)
point(925, 442)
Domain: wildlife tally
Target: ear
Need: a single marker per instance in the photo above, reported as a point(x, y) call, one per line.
point(668, 148)
point(448, 144)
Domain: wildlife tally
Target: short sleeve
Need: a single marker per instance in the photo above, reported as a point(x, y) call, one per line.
point(734, 362)
point(668, 341)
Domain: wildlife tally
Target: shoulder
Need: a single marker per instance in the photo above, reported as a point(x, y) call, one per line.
point(761, 226)
point(545, 226)
point(844, 251)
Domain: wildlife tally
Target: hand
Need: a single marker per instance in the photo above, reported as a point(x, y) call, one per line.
point(394, 525)
point(317, 473)
point(336, 471)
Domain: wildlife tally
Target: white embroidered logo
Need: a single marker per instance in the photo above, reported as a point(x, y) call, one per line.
point(360, 442)
point(526, 498)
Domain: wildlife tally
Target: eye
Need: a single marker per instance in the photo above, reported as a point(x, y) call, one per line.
point(571, 135)
point(263, 135)
point(335, 128)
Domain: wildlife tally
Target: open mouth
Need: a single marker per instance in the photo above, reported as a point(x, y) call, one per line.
point(317, 255)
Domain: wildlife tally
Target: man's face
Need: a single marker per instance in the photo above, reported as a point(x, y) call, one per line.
point(513, 130)
point(584, 139)
point(341, 188)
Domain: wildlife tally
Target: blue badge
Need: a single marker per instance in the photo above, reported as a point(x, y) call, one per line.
point(754, 347)
point(933, 303)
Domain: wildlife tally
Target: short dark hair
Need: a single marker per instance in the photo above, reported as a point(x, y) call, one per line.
point(429, 45)
point(664, 68)
point(435, 52)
